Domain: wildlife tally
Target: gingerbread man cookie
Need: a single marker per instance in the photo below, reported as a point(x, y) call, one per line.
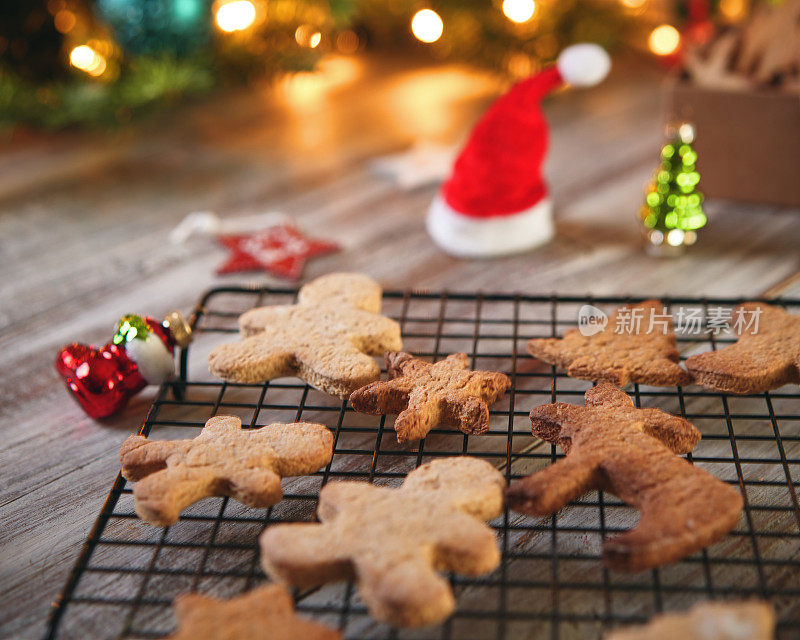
point(326, 339)
point(266, 612)
point(766, 355)
point(224, 460)
point(746, 620)
point(636, 345)
point(426, 395)
point(393, 541)
point(630, 452)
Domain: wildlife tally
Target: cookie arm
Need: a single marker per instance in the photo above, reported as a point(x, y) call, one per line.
point(680, 435)
point(252, 360)
point(549, 490)
point(139, 457)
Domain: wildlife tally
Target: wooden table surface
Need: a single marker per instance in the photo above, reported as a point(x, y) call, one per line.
point(84, 220)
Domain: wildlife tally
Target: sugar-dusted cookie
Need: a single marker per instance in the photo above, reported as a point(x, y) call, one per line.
point(744, 620)
point(637, 345)
point(630, 452)
point(426, 395)
point(325, 339)
point(766, 355)
point(393, 541)
point(265, 612)
point(224, 460)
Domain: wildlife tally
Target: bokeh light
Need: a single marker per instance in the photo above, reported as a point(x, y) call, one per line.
point(347, 42)
point(64, 21)
point(315, 39)
point(519, 11)
point(86, 59)
point(632, 4)
point(732, 9)
point(427, 26)
point(664, 40)
point(236, 16)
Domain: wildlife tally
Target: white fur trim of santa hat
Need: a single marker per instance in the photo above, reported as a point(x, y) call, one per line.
point(583, 65)
point(152, 358)
point(471, 237)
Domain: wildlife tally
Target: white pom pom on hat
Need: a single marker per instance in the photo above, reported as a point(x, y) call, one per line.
point(584, 65)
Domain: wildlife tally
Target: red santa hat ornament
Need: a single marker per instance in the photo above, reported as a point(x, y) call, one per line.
point(496, 202)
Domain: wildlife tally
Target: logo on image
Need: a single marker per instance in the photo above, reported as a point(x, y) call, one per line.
point(591, 320)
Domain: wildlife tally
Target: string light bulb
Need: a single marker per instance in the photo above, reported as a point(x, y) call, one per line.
point(519, 11)
point(315, 39)
point(86, 59)
point(632, 4)
point(427, 26)
point(236, 15)
point(664, 40)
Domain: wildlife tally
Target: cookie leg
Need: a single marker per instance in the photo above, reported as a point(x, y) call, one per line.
point(549, 490)
point(255, 487)
point(469, 414)
point(677, 519)
point(405, 592)
point(301, 555)
point(422, 415)
point(161, 496)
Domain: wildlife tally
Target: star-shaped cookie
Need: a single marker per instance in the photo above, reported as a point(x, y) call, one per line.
point(265, 612)
point(325, 339)
point(426, 395)
point(393, 541)
point(281, 250)
point(224, 460)
point(637, 345)
point(613, 446)
point(766, 355)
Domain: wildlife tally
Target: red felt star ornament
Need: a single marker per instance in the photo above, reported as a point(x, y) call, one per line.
point(281, 250)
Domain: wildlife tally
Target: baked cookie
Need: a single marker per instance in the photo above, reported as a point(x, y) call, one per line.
point(630, 452)
point(265, 612)
point(326, 339)
point(766, 355)
point(224, 460)
point(637, 345)
point(393, 541)
point(745, 620)
point(426, 395)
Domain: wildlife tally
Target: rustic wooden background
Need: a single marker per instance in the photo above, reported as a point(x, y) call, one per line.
point(84, 219)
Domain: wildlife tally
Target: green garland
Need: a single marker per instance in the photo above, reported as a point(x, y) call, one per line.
point(145, 84)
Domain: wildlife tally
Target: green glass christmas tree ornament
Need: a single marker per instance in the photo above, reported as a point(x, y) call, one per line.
point(673, 207)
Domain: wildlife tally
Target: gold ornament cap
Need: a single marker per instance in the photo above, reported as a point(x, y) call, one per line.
point(179, 329)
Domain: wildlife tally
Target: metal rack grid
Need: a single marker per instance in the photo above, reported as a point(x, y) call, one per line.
point(550, 584)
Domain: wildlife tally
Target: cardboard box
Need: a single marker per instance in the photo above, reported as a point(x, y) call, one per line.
point(747, 143)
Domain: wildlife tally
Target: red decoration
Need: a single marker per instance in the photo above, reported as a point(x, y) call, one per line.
point(103, 379)
point(281, 250)
point(499, 170)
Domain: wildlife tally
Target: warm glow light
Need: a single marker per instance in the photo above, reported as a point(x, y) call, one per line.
point(64, 21)
point(519, 10)
point(427, 26)
point(347, 42)
point(675, 237)
point(314, 40)
point(732, 9)
point(664, 40)
point(236, 16)
point(632, 4)
point(87, 59)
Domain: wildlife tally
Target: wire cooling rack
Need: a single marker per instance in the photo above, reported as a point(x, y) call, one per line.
point(551, 582)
